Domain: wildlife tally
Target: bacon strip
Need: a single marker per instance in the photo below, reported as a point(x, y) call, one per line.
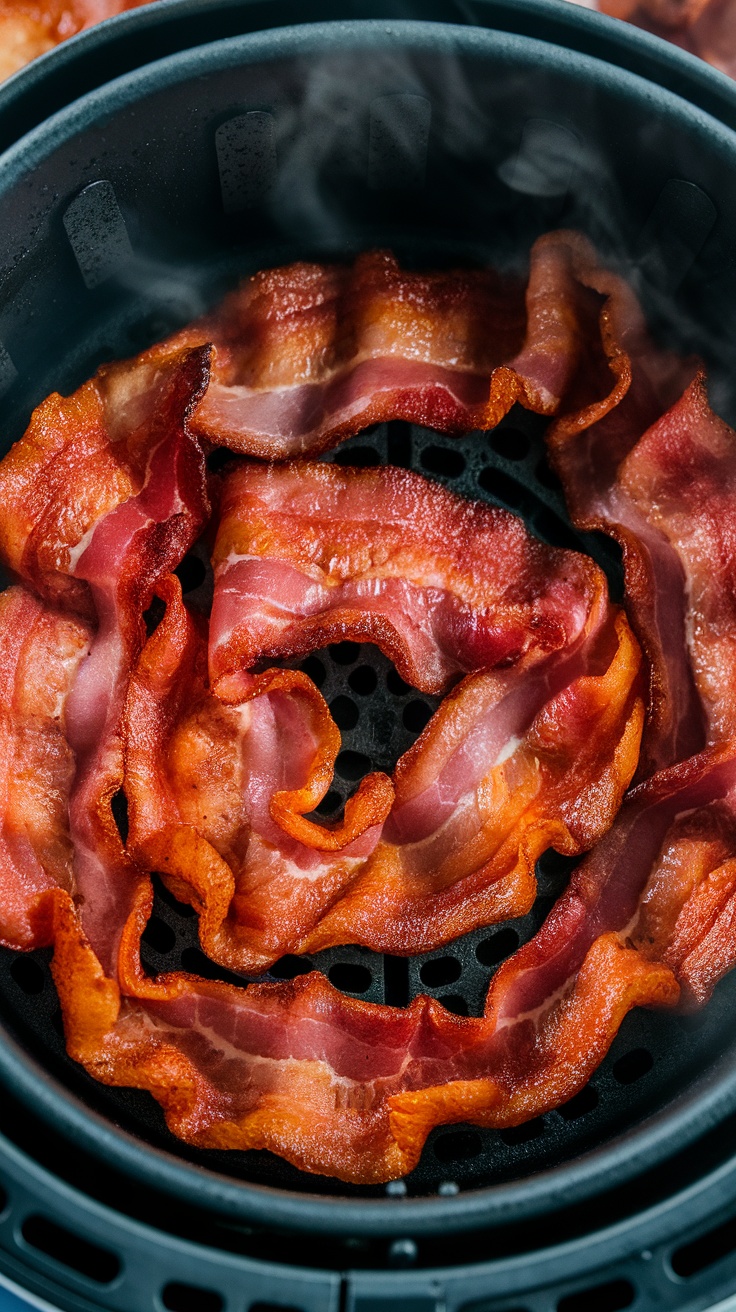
point(218, 796)
point(308, 554)
point(681, 478)
point(81, 458)
point(335, 1085)
point(307, 356)
point(587, 446)
point(510, 763)
point(40, 653)
point(663, 877)
point(115, 486)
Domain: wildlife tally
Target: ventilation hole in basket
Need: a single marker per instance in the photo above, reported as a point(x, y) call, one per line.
point(273, 1307)
point(510, 443)
point(396, 981)
point(344, 712)
point(27, 975)
point(458, 1146)
point(191, 573)
point(610, 1297)
point(554, 529)
point(315, 669)
point(358, 455)
point(289, 967)
point(443, 460)
point(154, 615)
point(399, 444)
point(350, 978)
point(518, 1134)
point(190, 1298)
point(217, 459)
point(363, 680)
point(490, 951)
point(70, 1250)
point(633, 1065)
point(583, 1102)
point(119, 808)
point(417, 715)
point(396, 685)
point(330, 803)
point(183, 909)
point(352, 765)
point(705, 1250)
point(546, 475)
point(345, 653)
point(502, 487)
point(196, 962)
point(455, 1003)
point(440, 971)
point(158, 935)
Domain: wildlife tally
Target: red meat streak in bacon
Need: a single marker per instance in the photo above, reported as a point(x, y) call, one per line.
point(510, 763)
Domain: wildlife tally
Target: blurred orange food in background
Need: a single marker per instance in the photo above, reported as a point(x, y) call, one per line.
point(29, 29)
point(703, 27)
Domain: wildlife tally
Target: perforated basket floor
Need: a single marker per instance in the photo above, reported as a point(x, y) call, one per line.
point(654, 1057)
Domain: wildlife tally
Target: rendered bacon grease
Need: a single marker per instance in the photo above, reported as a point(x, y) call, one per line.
point(223, 758)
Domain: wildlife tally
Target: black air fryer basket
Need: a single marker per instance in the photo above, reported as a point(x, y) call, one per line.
point(199, 149)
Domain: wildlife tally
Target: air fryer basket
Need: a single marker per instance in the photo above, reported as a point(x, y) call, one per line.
point(124, 216)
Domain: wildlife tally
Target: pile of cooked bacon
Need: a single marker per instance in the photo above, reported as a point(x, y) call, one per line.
point(224, 756)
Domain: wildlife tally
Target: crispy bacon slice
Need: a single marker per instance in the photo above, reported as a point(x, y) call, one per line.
point(105, 493)
point(121, 558)
point(40, 653)
point(335, 1085)
point(512, 762)
point(307, 355)
point(311, 553)
point(681, 479)
point(587, 446)
point(219, 795)
point(88, 454)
